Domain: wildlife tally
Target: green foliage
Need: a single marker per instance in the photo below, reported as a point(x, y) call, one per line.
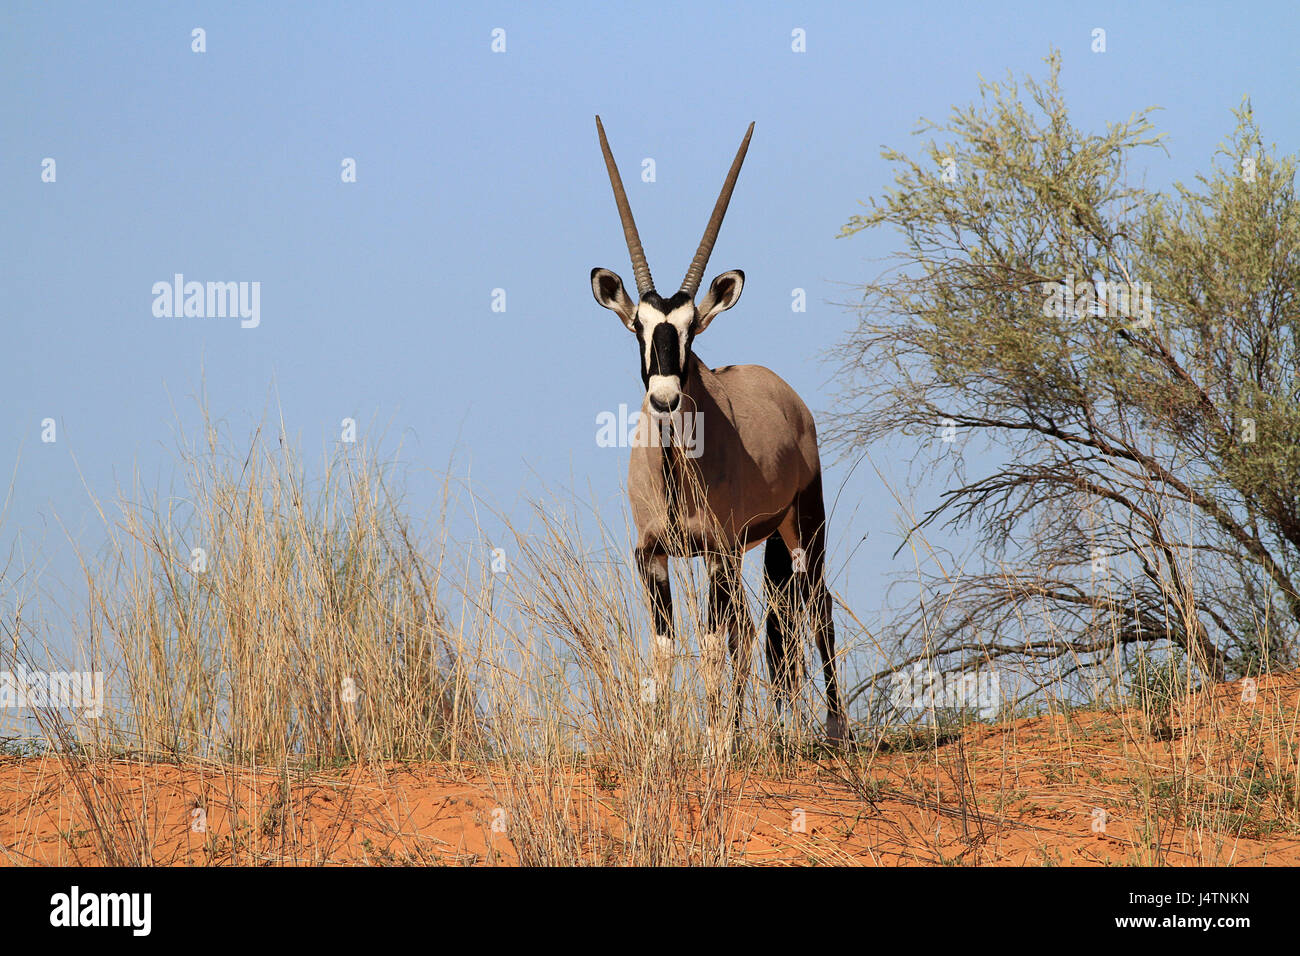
point(1132, 356)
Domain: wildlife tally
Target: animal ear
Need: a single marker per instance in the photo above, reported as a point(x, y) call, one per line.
point(723, 293)
point(608, 290)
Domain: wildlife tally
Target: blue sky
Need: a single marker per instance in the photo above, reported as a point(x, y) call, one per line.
point(479, 171)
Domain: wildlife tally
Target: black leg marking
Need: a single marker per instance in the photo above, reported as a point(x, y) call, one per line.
point(811, 514)
point(653, 566)
point(779, 620)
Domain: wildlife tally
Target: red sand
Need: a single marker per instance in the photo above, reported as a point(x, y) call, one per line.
point(1219, 790)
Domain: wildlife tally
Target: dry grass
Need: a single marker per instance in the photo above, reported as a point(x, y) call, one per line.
point(303, 692)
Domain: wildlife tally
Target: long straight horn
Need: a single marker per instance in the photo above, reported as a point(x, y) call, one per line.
point(640, 267)
point(691, 284)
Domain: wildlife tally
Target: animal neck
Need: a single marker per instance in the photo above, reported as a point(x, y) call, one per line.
point(698, 378)
point(684, 462)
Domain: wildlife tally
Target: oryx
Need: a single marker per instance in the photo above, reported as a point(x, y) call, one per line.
point(753, 474)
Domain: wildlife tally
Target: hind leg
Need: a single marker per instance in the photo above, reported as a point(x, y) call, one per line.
point(778, 580)
point(808, 553)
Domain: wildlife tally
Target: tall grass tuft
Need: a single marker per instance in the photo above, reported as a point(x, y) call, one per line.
point(259, 616)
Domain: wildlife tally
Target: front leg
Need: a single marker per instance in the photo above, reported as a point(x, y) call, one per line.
point(727, 615)
point(653, 567)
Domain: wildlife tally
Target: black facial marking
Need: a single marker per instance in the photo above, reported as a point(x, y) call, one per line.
point(690, 337)
point(665, 356)
point(665, 351)
point(665, 305)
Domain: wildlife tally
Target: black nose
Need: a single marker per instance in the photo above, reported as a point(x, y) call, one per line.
point(665, 407)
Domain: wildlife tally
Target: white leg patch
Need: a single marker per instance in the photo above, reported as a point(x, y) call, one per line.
point(717, 744)
point(713, 658)
point(662, 652)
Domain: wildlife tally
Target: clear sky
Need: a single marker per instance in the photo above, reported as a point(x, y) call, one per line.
point(477, 171)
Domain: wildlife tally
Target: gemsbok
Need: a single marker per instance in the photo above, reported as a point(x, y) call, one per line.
point(752, 474)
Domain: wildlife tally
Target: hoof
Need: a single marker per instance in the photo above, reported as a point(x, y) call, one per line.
point(837, 731)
